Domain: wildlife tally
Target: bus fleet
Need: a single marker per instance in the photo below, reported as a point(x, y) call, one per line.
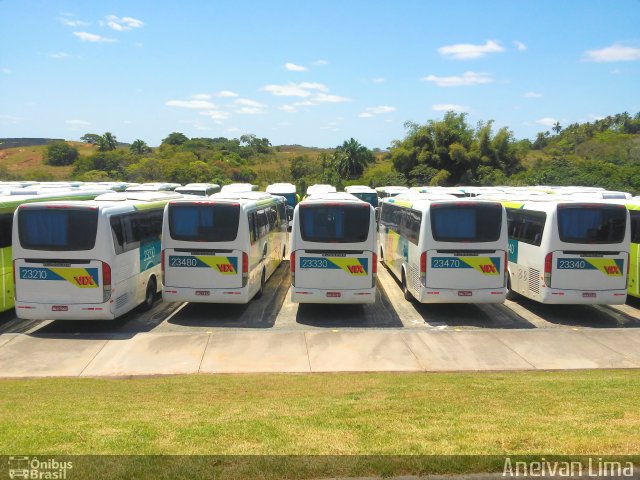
point(72, 251)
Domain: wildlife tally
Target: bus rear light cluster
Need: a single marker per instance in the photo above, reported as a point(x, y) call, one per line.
point(292, 266)
point(245, 269)
point(506, 268)
point(374, 270)
point(162, 266)
point(548, 263)
point(106, 282)
point(423, 268)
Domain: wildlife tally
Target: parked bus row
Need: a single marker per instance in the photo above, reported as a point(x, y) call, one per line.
point(223, 248)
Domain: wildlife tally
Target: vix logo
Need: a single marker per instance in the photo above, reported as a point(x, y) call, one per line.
point(612, 270)
point(356, 269)
point(84, 281)
point(488, 269)
point(225, 268)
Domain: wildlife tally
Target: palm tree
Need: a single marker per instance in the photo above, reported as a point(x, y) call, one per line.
point(139, 147)
point(351, 158)
point(556, 127)
point(107, 142)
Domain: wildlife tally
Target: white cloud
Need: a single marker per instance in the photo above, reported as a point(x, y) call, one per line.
point(615, 53)
point(92, 37)
point(124, 23)
point(249, 103)
point(201, 96)
point(467, 51)
point(73, 23)
point(226, 93)
point(466, 79)
point(449, 107)
point(58, 55)
point(216, 114)
point(194, 104)
point(532, 95)
point(294, 89)
point(325, 98)
point(292, 67)
point(547, 121)
point(521, 47)
point(233, 129)
point(288, 108)
point(320, 63)
point(250, 111)
point(378, 80)
point(371, 111)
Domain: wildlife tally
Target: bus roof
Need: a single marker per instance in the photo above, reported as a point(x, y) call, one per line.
point(281, 188)
point(325, 197)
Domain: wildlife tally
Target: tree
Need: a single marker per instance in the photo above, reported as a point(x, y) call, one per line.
point(91, 138)
point(60, 153)
point(107, 142)
point(139, 147)
point(556, 128)
point(351, 158)
point(175, 138)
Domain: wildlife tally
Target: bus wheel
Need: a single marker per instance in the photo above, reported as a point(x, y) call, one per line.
point(150, 295)
point(405, 289)
point(511, 295)
point(284, 252)
point(381, 255)
point(262, 281)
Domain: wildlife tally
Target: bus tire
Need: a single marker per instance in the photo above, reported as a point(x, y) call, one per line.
point(284, 252)
point(405, 289)
point(381, 255)
point(150, 295)
point(511, 295)
point(262, 282)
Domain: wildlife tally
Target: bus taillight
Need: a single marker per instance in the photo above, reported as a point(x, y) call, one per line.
point(423, 268)
point(506, 268)
point(162, 264)
point(374, 270)
point(292, 266)
point(245, 269)
point(106, 282)
point(548, 262)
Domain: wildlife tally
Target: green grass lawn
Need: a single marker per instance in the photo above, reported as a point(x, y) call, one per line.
point(526, 413)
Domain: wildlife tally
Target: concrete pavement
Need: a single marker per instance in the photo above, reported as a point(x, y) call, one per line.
point(405, 350)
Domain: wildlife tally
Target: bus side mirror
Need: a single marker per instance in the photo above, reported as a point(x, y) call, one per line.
point(289, 212)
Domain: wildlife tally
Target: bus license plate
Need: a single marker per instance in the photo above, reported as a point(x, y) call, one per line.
point(588, 295)
point(464, 293)
point(60, 308)
point(202, 293)
point(334, 294)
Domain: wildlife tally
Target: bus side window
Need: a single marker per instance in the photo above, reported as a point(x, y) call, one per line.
point(131, 232)
point(252, 227)
point(263, 223)
point(117, 234)
point(6, 225)
point(635, 226)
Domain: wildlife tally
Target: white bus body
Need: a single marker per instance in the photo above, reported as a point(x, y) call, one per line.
point(92, 260)
point(238, 188)
point(320, 188)
point(222, 249)
point(333, 250)
point(571, 252)
point(445, 250)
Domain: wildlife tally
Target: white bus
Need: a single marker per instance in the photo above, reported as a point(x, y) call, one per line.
point(92, 260)
point(238, 188)
point(445, 250)
point(333, 250)
point(222, 249)
point(563, 251)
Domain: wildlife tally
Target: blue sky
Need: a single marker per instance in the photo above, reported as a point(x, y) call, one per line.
point(311, 72)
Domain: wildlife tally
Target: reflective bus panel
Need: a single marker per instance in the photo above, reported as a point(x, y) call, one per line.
point(333, 246)
point(443, 250)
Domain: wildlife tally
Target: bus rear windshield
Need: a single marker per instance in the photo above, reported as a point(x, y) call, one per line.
point(204, 223)
point(466, 223)
point(58, 229)
point(335, 223)
point(370, 198)
point(601, 224)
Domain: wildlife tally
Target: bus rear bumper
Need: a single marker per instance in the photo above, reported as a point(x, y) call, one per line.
point(316, 295)
point(206, 295)
point(443, 295)
point(582, 297)
point(51, 311)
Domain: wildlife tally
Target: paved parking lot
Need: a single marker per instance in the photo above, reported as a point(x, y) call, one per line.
point(271, 334)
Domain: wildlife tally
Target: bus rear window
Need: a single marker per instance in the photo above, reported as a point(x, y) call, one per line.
point(335, 223)
point(58, 229)
point(6, 223)
point(466, 223)
point(204, 223)
point(370, 198)
point(599, 224)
